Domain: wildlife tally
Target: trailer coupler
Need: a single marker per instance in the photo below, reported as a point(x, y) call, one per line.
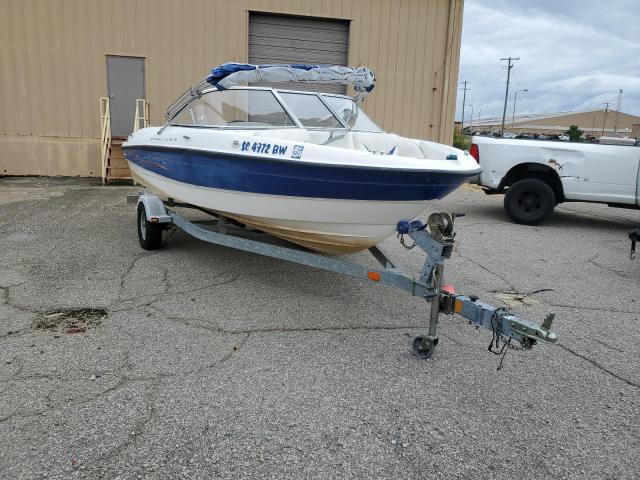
point(436, 238)
point(498, 320)
point(505, 327)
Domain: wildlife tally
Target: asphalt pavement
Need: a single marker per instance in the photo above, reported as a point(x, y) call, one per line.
point(197, 361)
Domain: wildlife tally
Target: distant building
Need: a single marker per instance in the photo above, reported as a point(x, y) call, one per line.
point(618, 124)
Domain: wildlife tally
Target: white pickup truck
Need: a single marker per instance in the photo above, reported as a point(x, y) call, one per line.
point(536, 175)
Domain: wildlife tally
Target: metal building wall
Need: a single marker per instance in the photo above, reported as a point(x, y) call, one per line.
point(590, 122)
point(53, 64)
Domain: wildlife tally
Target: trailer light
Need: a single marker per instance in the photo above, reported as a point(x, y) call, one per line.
point(154, 219)
point(373, 276)
point(457, 305)
point(448, 289)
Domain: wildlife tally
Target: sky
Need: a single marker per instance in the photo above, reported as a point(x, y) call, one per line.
point(574, 55)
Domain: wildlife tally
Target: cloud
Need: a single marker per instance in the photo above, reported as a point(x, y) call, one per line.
point(574, 55)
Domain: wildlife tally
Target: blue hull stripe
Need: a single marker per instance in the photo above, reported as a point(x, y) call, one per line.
point(293, 178)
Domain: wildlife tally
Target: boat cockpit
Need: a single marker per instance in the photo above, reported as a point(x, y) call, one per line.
point(319, 118)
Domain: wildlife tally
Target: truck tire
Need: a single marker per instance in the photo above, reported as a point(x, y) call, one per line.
point(529, 201)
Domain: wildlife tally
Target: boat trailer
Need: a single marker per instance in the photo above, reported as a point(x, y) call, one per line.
point(435, 238)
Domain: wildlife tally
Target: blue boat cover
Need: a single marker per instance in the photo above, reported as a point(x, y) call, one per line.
point(229, 74)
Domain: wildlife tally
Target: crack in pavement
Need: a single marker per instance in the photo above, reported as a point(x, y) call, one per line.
point(50, 406)
point(501, 277)
point(195, 323)
point(6, 298)
point(138, 430)
point(122, 380)
point(597, 309)
point(598, 366)
point(156, 296)
point(540, 291)
point(621, 274)
point(133, 263)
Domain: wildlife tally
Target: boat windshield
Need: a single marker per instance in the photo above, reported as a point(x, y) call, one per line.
point(351, 114)
point(261, 108)
point(310, 110)
point(235, 108)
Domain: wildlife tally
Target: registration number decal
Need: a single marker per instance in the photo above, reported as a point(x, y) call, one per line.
point(297, 152)
point(267, 148)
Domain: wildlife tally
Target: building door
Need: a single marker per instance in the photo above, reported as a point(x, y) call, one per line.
point(125, 83)
point(288, 39)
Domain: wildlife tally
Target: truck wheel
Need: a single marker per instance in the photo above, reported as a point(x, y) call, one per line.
point(529, 201)
point(149, 234)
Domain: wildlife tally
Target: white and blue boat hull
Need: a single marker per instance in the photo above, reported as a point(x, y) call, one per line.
point(335, 205)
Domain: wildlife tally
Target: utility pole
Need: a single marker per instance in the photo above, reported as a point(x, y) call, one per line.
point(606, 109)
point(618, 108)
point(506, 93)
point(515, 98)
point(464, 101)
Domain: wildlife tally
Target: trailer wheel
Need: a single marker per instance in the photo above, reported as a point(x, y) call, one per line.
point(149, 234)
point(423, 347)
point(529, 201)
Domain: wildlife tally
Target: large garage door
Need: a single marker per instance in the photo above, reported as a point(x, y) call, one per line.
point(284, 39)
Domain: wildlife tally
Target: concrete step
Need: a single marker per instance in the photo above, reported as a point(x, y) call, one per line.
point(120, 180)
point(116, 162)
point(118, 172)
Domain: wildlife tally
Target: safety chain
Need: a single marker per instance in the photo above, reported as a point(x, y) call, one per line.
point(495, 339)
point(407, 247)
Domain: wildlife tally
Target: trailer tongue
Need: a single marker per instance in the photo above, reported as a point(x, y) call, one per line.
point(435, 238)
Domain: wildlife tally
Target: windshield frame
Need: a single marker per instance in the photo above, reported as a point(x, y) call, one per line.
point(347, 97)
point(208, 91)
point(283, 104)
point(324, 104)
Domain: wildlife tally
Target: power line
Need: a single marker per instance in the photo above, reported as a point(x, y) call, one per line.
point(506, 93)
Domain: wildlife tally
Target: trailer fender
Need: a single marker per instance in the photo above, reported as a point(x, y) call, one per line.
point(154, 208)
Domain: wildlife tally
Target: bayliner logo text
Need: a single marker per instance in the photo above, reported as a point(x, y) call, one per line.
point(297, 152)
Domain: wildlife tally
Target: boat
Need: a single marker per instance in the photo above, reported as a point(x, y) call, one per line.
point(306, 166)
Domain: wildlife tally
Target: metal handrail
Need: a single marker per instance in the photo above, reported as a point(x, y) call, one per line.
point(141, 114)
point(105, 135)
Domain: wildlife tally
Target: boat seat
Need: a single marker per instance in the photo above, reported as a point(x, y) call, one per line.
point(332, 138)
point(380, 143)
point(387, 143)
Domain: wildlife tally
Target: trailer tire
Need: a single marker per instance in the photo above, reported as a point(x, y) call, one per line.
point(149, 234)
point(529, 201)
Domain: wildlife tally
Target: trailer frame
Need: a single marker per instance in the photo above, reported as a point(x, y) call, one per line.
point(435, 238)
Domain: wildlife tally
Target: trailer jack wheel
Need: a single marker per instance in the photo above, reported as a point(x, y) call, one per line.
point(423, 346)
